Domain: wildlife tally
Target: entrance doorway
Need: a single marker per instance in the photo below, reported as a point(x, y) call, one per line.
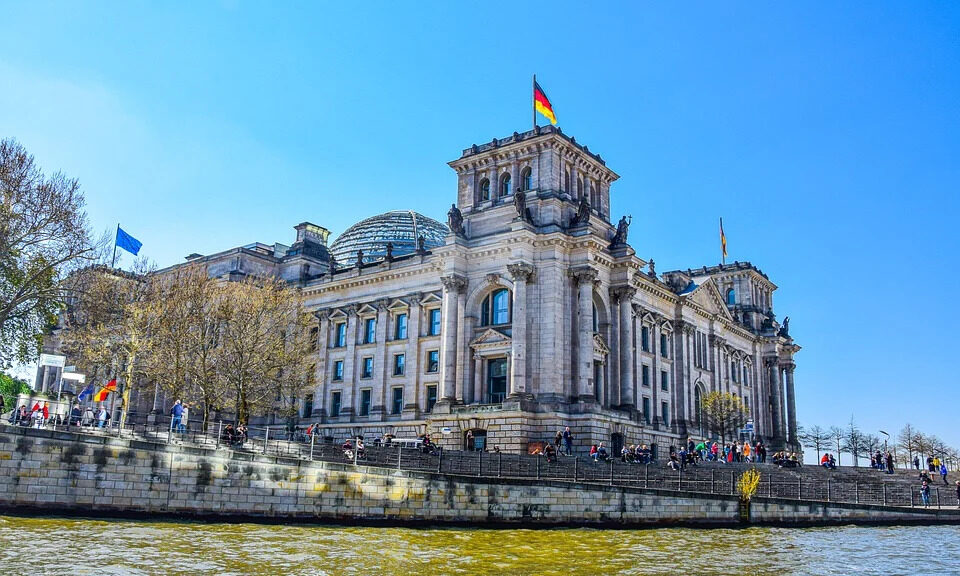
point(496, 380)
point(475, 440)
point(616, 444)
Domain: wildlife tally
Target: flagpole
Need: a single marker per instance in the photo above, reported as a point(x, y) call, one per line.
point(723, 248)
point(533, 94)
point(113, 262)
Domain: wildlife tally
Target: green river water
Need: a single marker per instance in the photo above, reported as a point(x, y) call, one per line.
point(85, 546)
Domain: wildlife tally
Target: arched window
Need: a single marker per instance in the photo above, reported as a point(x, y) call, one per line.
point(495, 309)
point(484, 190)
point(579, 188)
point(526, 179)
point(505, 185)
point(731, 297)
point(594, 317)
point(566, 181)
point(594, 199)
point(698, 406)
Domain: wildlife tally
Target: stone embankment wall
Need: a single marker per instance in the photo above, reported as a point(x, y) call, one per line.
point(67, 473)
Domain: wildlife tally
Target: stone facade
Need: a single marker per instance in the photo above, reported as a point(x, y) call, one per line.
point(535, 314)
point(65, 473)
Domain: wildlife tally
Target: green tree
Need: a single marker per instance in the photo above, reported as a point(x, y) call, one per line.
point(10, 388)
point(44, 237)
point(725, 413)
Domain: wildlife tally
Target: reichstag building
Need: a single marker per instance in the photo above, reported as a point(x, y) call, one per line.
point(526, 312)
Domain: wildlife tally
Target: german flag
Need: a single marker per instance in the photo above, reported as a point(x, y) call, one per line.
point(723, 240)
point(101, 395)
point(542, 104)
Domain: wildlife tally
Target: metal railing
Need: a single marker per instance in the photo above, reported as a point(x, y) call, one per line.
point(807, 483)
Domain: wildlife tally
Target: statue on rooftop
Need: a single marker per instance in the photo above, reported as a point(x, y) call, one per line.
point(421, 244)
point(389, 255)
point(583, 212)
point(620, 237)
point(653, 270)
point(455, 221)
point(785, 328)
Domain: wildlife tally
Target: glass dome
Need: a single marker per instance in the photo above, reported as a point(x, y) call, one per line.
point(400, 227)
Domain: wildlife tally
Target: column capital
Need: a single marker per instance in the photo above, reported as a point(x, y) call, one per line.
point(521, 271)
point(788, 366)
point(454, 282)
point(322, 314)
point(382, 305)
point(350, 310)
point(623, 293)
point(415, 298)
point(584, 275)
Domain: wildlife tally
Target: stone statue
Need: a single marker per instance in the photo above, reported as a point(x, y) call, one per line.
point(421, 244)
point(389, 256)
point(785, 328)
point(653, 270)
point(455, 221)
point(520, 203)
point(620, 237)
point(359, 258)
point(583, 212)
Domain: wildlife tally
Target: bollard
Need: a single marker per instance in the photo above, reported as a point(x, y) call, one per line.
point(266, 437)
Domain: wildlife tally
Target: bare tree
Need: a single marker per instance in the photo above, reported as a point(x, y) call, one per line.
point(44, 236)
point(836, 434)
point(817, 438)
point(907, 441)
point(854, 442)
point(724, 412)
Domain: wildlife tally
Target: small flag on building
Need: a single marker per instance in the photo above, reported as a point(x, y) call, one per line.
point(541, 103)
point(102, 394)
point(85, 393)
point(128, 242)
point(723, 242)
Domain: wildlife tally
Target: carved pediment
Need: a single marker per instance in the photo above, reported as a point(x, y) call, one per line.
point(707, 297)
point(491, 338)
point(599, 346)
point(430, 298)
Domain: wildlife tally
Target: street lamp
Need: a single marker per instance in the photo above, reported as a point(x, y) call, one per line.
point(886, 437)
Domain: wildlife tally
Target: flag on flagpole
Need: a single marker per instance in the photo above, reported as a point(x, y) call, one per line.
point(111, 386)
point(127, 242)
point(723, 242)
point(85, 393)
point(542, 104)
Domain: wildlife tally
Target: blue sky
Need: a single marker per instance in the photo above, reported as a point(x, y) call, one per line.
point(826, 136)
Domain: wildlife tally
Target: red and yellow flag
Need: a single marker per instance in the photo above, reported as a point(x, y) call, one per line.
point(723, 239)
point(101, 395)
point(542, 103)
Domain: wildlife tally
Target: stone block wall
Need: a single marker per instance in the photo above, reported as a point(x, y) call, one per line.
point(67, 473)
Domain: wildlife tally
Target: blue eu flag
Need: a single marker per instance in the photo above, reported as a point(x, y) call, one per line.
point(127, 242)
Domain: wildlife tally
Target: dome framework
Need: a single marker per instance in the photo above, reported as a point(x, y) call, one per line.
point(399, 227)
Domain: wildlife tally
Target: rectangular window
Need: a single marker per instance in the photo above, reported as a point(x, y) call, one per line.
point(314, 338)
point(307, 405)
point(334, 404)
point(431, 396)
point(400, 331)
point(664, 348)
point(733, 371)
point(664, 380)
point(435, 322)
point(365, 402)
point(399, 364)
point(646, 375)
point(433, 361)
point(645, 339)
point(340, 336)
point(665, 413)
point(367, 368)
point(338, 370)
point(397, 406)
point(370, 331)
point(746, 376)
point(646, 409)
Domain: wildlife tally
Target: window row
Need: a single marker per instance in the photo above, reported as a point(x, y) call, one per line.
point(645, 343)
point(504, 185)
point(664, 411)
point(431, 366)
point(396, 401)
point(368, 334)
point(645, 378)
point(593, 187)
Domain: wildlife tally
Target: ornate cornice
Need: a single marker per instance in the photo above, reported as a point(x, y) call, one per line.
point(454, 282)
point(521, 271)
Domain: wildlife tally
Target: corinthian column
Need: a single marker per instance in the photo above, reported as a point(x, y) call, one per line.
point(452, 286)
point(625, 294)
point(773, 367)
point(585, 279)
point(791, 406)
point(521, 274)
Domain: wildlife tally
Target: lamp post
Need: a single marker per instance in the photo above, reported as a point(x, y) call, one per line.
point(886, 437)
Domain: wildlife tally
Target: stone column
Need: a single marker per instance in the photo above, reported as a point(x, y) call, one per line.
point(320, 374)
point(452, 285)
point(521, 274)
point(349, 363)
point(573, 180)
point(383, 363)
point(462, 342)
point(656, 420)
point(478, 378)
point(412, 386)
point(773, 368)
point(792, 406)
point(585, 388)
point(781, 378)
point(625, 295)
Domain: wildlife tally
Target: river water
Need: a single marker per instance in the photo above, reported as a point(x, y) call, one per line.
point(85, 546)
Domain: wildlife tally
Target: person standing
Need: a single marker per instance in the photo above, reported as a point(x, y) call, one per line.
point(916, 462)
point(568, 441)
point(102, 417)
point(958, 493)
point(889, 463)
point(184, 419)
point(558, 441)
point(176, 416)
point(943, 472)
point(925, 493)
point(46, 415)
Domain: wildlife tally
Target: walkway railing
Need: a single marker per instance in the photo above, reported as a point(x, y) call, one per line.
point(810, 483)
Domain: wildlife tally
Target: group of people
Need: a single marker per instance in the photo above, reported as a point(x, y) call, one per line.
point(234, 435)
point(786, 459)
point(828, 461)
point(708, 451)
point(883, 463)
